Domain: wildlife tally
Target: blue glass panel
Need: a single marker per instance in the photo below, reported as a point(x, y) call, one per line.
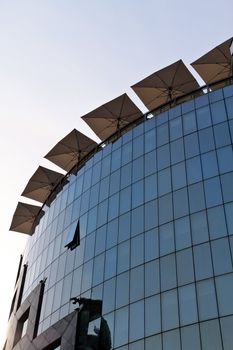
point(194, 171)
point(150, 163)
point(225, 159)
point(150, 187)
point(189, 122)
point(177, 151)
point(218, 112)
point(163, 155)
point(182, 233)
point(222, 135)
point(166, 235)
point(191, 145)
point(150, 140)
point(187, 305)
point(175, 128)
point(209, 164)
point(206, 139)
point(213, 192)
point(203, 117)
point(207, 305)
point(152, 315)
point(162, 134)
point(178, 175)
point(229, 106)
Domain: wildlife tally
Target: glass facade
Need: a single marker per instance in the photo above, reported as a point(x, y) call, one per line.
point(155, 213)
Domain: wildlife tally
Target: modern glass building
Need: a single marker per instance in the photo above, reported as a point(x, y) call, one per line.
point(139, 234)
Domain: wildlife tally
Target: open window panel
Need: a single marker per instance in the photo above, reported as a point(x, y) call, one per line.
point(22, 326)
point(73, 236)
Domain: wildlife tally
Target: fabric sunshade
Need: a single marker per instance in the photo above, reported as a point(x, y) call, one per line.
point(216, 64)
point(70, 150)
point(41, 184)
point(165, 85)
point(112, 116)
point(24, 218)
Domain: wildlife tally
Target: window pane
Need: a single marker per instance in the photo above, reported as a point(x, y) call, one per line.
point(226, 328)
point(194, 171)
point(202, 260)
point(177, 151)
point(152, 315)
point(217, 223)
point(121, 327)
point(203, 117)
point(151, 215)
point(221, 256)
point(224, 285)
point(227, 187)
point(210, 335)
point(169, 310)
point(225, 159)
point(124, 227)
point(206, 139)
point(150, 187)
point(152, 280)
point(150, 163)
point(182, 233)
point(109, 295)
point(178, 176)
point(137, 218)
point(125, 200)
point(138, 169)
point(209, 165)
point(199, 227)
point(123, 257)
point(180, 199)
point(185, 272)
point(150, 140)
point(171, 340)
point(175, 128)
point(196, 197)
point(137, 250)
point(218, 112)
point(229, 217)
point(98, 273)
point(110, 263)
point(213, 192)
point(222, 135)
point(112, 232)
point(168, 272)
point(122, 290)
point(166, 234)
point(191, 145)
point(163, 155)
point(151, 245)
point(164, 181)
point(136, 327)
point(137, 283)
point(137, 193)
point(206, 300)
point(165, 209)
point(189, 122)
point(162, 134)
point(187, 304)
point(190, 338)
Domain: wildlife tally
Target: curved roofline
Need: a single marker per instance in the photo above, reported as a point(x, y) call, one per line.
point(165, 107)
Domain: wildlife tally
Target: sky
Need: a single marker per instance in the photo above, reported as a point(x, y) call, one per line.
point(59, 59)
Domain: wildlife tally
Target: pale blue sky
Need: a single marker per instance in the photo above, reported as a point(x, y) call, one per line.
point(59, 59)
